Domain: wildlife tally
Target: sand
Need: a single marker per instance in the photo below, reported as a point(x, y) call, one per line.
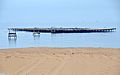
point(60, 61)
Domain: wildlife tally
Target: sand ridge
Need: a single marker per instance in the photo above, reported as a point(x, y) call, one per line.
point(60, 61)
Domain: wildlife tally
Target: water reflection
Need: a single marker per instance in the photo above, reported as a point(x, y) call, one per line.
point(55, 34)
point(12, 41)
point(36, 36)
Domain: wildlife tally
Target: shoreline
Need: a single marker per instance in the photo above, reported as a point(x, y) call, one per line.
point(60, 48)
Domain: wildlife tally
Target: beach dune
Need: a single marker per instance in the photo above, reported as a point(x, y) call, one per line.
point(60, 61)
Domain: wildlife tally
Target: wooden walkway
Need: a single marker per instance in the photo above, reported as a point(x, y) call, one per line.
point(64, 30)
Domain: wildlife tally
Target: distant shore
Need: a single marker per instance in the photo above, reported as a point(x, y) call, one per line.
point(60, 61)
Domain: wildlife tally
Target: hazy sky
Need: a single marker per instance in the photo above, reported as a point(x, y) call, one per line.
point(59, 11)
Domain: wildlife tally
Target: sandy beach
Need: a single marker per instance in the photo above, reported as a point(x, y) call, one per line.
point(60, 61)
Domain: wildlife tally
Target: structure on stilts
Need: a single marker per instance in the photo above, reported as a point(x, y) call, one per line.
point(12, 34)
point(62, 30)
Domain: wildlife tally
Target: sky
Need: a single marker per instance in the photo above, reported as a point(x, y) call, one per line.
point(59, 11)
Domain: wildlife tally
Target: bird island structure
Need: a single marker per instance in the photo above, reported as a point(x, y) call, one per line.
point(37, 31)
point(12, 34)
point(63, 30)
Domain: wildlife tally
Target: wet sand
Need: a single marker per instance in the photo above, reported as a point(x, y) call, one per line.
point(60, 61)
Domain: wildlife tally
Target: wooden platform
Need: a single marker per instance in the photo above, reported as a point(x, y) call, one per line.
point(64, 30)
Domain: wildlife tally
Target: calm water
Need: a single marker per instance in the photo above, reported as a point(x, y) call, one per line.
point(60, 13)
point(26, 39)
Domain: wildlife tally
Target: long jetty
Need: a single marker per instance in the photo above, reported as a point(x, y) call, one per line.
point(63, 30)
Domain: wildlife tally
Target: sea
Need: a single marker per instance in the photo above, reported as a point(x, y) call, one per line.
point(60, 13)
point(61, 40)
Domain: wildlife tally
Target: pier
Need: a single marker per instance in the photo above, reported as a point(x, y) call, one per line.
point(63, 30)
